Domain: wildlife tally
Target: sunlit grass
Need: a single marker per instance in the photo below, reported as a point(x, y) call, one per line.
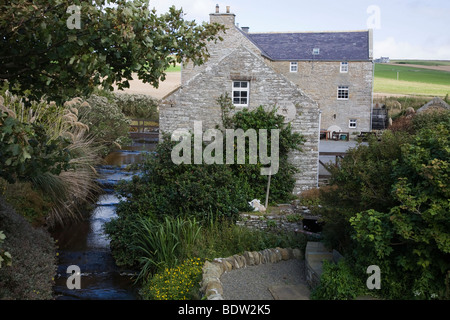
point(383, 85)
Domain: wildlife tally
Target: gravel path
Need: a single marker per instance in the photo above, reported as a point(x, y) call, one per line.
point(253, 282)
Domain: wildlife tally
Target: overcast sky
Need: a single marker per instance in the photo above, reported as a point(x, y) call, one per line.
point(403, 29)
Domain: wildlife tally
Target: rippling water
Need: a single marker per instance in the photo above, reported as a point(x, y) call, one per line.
point(85, 244)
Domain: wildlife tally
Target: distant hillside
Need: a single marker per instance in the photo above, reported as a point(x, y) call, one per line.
point(413, 77)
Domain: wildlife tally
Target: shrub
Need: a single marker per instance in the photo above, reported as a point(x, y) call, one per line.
point(165, 188)
point(137, 106)
point(109, 127)
point(391, 206)
point(30, 276)
point(283, 182)
point(310, 198)
point(46, 145)
point(177, 283)
point(337, 282)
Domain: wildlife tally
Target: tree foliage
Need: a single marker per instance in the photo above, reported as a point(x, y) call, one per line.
point(41, 53)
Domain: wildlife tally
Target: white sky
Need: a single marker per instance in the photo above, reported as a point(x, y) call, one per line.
point(403, 29)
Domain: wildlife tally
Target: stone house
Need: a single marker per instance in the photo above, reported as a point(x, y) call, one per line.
point(317, 81)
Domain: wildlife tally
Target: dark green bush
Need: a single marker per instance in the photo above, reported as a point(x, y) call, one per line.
point(389, 207)
point(337, 282)
point(33, 263)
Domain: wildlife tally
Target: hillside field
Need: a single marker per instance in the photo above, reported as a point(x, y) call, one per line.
point(412, 80)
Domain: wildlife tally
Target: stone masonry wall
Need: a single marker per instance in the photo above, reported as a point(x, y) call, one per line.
point(320, 80)
point(196, 101)
point(232, 38)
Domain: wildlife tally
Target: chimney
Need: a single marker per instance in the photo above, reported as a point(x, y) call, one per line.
point(227, 19)
point(245, 29)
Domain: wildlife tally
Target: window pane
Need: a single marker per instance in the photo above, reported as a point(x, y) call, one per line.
point(236, 84)
point(244, 101)
point(243, 84)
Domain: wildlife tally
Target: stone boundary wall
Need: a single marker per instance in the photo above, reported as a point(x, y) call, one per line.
point(211, 286)
point(279, 222)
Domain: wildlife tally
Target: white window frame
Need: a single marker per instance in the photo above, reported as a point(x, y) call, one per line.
point(240, 89)
point(293, 67)
point(344, 67)
point(343, 92)
point(352, 123)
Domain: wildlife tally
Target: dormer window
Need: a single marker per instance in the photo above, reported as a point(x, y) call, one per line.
point(294, 66)
point(344, 67)
point(316, 51)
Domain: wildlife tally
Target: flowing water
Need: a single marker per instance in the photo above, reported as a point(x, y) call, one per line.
point(84, 244)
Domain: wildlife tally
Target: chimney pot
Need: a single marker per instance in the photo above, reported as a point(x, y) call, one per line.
point(228, 9)
point(217, 8)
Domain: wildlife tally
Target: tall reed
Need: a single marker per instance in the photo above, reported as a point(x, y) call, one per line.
point(162, 244)
point(71, 189)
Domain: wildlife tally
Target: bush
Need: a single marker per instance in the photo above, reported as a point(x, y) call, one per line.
point(30, 276)
point(46, 145)
point(109, 127)
point(177, 283)
point(337, 282)
point(283, 182)
point(391, 206)
point(137, 106)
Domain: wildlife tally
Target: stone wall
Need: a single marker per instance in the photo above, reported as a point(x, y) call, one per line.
point(196, 100)
point(320, 80)
point(232, 38)
point(211, 287)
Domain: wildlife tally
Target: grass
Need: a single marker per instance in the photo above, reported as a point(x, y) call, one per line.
point(431, 63)
point(416, 81)
point(410, 88)
point(411, 74)
point(176, 68)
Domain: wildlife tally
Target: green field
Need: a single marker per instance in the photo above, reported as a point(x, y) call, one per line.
point(423, 62)
point(176, 68)
point(411, 81)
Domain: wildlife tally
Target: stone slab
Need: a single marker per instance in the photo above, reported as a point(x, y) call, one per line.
point(290, 292)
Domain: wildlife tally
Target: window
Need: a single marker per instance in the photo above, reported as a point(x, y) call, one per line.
point(240, 93)
point(294, 66)
point(342, 93)
point(344, 67)
point(316, 51)
point(352, 123)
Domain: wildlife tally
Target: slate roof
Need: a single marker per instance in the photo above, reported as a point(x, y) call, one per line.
point(334, 46)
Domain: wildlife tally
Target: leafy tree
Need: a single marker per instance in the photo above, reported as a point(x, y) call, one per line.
point(42, 54)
